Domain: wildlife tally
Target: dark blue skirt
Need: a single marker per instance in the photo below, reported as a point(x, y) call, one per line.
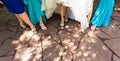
point(14, 6)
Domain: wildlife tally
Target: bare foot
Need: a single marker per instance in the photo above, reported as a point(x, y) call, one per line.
point(82, 30)
point(91, 31)
point(93, 28)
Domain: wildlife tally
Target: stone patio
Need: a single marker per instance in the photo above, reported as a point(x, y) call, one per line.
point(58, 44)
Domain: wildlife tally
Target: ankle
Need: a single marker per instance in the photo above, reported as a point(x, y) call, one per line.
point(43, 27)
point(93, 27)
point(33, 28)
point(22, 25)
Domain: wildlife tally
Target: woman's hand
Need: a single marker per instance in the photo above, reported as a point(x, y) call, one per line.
point(1, 2)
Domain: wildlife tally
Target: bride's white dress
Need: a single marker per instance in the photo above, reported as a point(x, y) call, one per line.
point(71, 16)
point(64, 2)
point(81, 9)
point(49, 7)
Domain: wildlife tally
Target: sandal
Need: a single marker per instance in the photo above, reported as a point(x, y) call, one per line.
point(43, 27)
point(62, 24)
point(66, 20)
point(33, 29)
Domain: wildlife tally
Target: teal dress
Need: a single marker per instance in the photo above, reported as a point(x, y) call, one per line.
point(33, 8)
point(103, 12)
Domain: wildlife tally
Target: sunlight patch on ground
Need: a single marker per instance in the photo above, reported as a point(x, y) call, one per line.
point(116, 8)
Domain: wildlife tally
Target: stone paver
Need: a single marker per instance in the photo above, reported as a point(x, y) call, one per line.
point(92, 49)
point(58, 43)
point(116, 58)
point(7, 58)
point(112, 44)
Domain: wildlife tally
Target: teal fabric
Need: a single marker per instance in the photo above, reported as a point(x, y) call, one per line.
point(33, 8)
point(103, 12)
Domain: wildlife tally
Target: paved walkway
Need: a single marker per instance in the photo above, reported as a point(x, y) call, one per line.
point(58, 44)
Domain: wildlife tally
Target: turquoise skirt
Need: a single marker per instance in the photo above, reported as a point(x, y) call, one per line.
point(103, 12)
point(33, 8)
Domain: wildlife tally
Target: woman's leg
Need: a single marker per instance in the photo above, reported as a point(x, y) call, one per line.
point(26, 19)
point(43, 27)
point(20, 21)
point(90, 15)
point(67, 14)
point(62, 15)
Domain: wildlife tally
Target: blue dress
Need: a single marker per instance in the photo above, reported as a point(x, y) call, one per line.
point(33, 8)
point(14, 6)
point(103, 12)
